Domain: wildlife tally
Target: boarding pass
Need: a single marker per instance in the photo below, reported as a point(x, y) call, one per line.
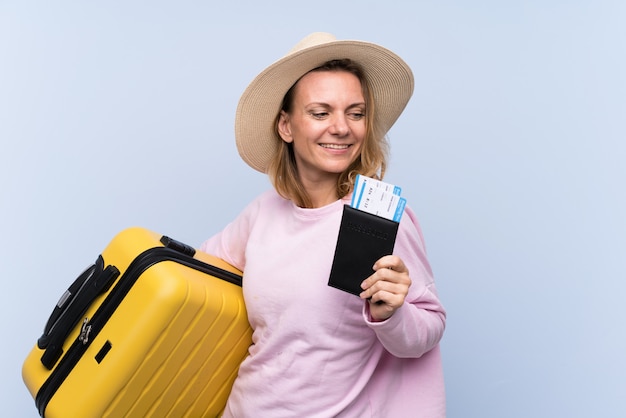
point(378, 198)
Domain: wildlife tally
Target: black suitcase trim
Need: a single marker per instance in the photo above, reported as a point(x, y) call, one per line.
point(174, 251)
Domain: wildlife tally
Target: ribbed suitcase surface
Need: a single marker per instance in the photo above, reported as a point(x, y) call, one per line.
point(165, 340)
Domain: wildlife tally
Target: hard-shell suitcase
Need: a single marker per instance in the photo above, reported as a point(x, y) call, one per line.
point(152, 329)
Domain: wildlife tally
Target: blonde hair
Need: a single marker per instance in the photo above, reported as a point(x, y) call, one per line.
point(372, 161)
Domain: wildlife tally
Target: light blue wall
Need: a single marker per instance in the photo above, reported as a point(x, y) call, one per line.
point(511, 152)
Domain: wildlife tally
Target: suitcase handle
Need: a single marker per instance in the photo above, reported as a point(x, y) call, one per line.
point(178, 246)
point(94, 281)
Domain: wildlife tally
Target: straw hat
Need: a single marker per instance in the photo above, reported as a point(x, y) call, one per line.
point(389, 77)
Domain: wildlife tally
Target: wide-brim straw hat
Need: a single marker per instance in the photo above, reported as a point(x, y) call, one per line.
point(390, 80)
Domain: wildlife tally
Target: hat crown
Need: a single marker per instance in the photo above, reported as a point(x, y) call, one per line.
point(314, 39)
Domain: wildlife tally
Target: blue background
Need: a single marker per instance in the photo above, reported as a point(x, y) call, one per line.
point(511, 152)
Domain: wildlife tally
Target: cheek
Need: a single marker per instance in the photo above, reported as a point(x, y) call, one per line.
point(359, 134)
point(306, 131)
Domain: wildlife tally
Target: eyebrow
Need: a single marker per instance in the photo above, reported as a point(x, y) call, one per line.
point(328, 105)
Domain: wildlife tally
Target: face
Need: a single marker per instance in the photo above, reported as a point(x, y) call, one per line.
point(326, 124)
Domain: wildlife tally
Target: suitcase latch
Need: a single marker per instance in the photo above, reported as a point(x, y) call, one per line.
point(84, 332)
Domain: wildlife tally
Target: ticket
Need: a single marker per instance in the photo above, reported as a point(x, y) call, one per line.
point(378, 198)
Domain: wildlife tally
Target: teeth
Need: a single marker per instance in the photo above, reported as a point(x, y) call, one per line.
point(334, 146)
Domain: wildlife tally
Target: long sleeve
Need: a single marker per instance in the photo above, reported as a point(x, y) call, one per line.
point(310, 339)
point(418, 325)
point(230, 243)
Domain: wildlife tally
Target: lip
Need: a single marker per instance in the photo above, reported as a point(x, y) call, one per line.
point(336, 147)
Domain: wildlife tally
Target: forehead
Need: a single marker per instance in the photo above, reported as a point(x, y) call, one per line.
point(335, 83)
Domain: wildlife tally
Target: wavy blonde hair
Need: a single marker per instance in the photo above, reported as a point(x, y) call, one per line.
point(371, 162)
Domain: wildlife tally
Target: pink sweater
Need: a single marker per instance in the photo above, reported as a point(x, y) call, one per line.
point(315, 352)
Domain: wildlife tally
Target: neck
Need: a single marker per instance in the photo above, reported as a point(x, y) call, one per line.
point(318, 201)
point(321, 194)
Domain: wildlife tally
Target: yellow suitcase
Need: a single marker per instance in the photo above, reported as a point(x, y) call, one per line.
point(152, 329)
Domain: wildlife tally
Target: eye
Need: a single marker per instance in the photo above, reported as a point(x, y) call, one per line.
point(356, 115)
point(319, 115)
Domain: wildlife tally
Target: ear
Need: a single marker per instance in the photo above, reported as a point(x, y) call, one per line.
point(284, 127)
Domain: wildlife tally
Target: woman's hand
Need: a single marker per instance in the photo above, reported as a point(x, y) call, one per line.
point(387, 288)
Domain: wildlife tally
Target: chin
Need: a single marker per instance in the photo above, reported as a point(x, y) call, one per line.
point(337, 169)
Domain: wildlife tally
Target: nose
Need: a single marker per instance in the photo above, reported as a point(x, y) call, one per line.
point(339, 126)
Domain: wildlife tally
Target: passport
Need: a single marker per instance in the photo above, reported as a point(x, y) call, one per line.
point(363, 238)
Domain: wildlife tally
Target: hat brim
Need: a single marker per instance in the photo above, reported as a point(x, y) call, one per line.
point(390, 80)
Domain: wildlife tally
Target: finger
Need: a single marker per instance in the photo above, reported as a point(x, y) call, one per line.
point(390, 262)
point(385, 302)
point(391, 276)
point(390, 287)
point(382, 277)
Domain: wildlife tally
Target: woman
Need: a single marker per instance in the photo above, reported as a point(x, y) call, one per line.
point(312, 121)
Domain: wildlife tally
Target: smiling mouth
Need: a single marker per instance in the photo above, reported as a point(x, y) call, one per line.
point(335, 146)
